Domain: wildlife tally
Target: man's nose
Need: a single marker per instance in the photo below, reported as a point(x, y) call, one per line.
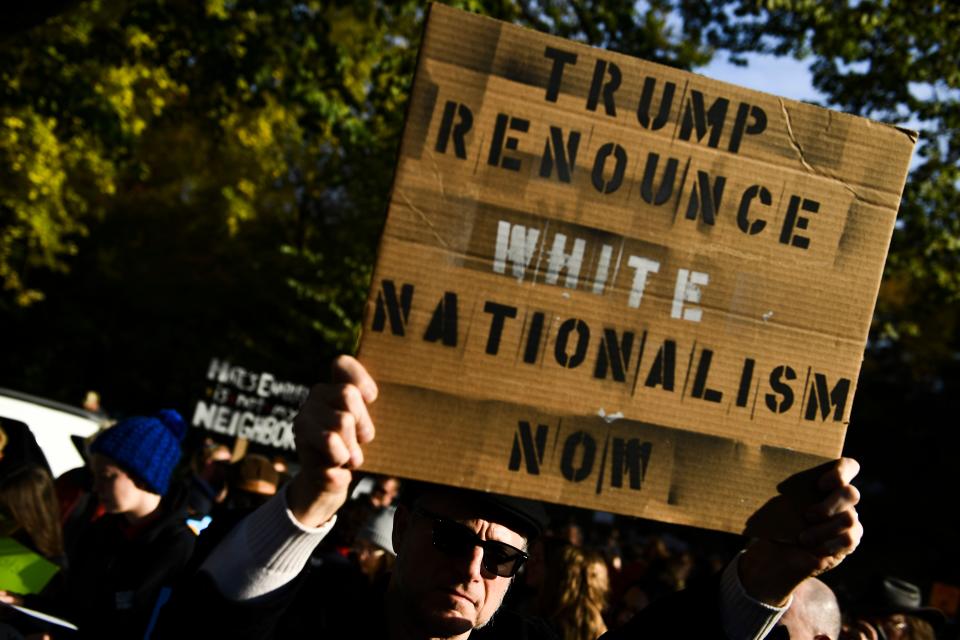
point(472, 564)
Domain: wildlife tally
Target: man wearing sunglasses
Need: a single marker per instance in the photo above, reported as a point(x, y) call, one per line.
point(457, 550)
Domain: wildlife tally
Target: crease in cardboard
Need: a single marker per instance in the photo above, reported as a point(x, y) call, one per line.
point(481, 413)
point(823, 174)
point(425, 218)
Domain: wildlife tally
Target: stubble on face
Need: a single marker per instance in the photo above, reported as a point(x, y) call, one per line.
point(437, 596)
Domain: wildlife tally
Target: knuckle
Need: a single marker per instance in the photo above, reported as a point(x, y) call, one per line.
point(853, 494)
point(344, 422)
point(847, 518)
point(349, 395)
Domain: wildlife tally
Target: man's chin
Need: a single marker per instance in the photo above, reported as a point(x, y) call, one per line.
point(447, 626)
point(447, 618)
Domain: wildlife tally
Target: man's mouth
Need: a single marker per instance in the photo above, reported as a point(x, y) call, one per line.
point(459, 595)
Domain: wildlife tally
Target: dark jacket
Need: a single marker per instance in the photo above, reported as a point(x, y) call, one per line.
point(118, 572)
point(198, 610)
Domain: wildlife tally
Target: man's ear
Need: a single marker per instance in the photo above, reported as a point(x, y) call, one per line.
point(401, 520)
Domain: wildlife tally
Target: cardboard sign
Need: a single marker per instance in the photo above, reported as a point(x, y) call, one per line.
point(254, 405)
point(612, 284)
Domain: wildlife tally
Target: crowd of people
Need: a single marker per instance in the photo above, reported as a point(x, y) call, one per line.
point(149, 540)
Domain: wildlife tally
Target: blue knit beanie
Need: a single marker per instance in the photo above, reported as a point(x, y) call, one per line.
point(147, 448)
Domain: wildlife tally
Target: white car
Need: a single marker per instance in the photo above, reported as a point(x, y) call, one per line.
point(53, 425)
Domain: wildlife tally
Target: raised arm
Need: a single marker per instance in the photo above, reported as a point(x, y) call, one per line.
point(807, 530)
point(330, 429)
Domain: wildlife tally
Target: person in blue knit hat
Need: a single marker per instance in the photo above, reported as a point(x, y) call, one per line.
point(124, 560)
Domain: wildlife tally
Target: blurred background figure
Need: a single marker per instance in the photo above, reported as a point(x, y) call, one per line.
point(573, 594)
point(208, 478)
point(572, 534)
point(814, 614)
point(373, 546)
point(31, 514)
point(385, 490)
point(91, 402)
point(252, 480)
point(19, 448)
point(893, 610)
point(125, 559)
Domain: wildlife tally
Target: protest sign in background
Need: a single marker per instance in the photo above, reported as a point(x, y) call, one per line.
point(254, 405)
point(616, 285)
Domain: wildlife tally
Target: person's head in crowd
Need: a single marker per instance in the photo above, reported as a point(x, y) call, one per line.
point(633, 600)
point(210, 464)
point(457, 554)
point(892, 610)
point(574, 592)
point(91, 401)
point(373, 546)
point(209, 484)
point(29, 507)
point(253, 481)
point(676, 571)
point(814, 614)
point(572, 534)
point(385, 490)
point(132, 462)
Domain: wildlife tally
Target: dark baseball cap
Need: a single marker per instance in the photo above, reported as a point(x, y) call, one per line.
point(526, 517)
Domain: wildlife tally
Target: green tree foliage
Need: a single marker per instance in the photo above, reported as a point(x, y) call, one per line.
point(256, 142)
point(189, 179)
point(894, 61)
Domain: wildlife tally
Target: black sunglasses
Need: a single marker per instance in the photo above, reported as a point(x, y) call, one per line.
point(458, 540)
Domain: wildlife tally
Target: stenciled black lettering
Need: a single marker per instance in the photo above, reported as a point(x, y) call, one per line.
point(666, 182)
point(599, 163)
point(563, 336)
point(757, 127)
point(663, 371)
point(782, 400)
point(700, 389)
point(502, 141)
point(564, 155)
point(459, 132)
point(743, 214)
point(746, 380)
point(697, 118)
point(608, 87)
point(794, 221)
point(646, 97)
point(560, 59)
point(388, 306)
point(823, 398)
point(528, 447)
point(630, 457)
point(706, 199)
point(614, 355)
point(584, 444)
point(534, 336)
point(500, 313)
point(443, 324)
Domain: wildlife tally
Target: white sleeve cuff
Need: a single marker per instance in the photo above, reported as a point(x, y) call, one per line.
point(744, 617)
point(264, 552)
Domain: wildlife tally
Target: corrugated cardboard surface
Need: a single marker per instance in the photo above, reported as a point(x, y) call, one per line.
point(517, 345)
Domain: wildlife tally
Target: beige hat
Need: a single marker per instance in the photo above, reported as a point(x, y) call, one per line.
point(255, 473)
